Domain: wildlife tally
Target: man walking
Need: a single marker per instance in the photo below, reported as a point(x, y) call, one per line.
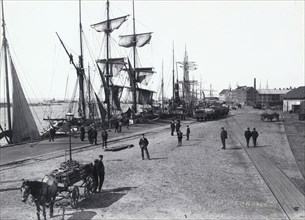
point(172, 127)
point(179, 136)
point(188, 131)
point(82, 133)
point(95, 135)
point(98, 173)
point(143, 145)
point(248, 136)
point(104, 138)
point(223, 137)
point(254, 136)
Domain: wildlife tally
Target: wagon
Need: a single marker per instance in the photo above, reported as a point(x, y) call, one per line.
point(269, 115)
point(72, 176)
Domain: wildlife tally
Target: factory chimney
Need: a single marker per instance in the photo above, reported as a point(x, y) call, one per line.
point(254, 83)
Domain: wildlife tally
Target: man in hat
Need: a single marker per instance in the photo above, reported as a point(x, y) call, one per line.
point(143, 145)
point(172, 127)
point(104, 138)
point(188, 131)
point(223, 137)
point(254, 136)
point(248, 136)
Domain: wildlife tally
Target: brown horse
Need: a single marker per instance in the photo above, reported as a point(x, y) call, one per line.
point(42, 192)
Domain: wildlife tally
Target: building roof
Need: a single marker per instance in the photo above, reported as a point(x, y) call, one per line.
point(298, 93)
point(273, 91)
point(243, 88)
point(224, 91)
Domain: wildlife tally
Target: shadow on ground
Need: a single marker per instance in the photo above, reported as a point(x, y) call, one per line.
point(104, 199)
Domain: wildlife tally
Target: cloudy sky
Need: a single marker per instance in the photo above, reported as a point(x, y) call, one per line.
point(231, 41)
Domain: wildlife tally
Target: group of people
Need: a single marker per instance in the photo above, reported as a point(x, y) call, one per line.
point(92, 135)
point(248, 135)
point(176, 126)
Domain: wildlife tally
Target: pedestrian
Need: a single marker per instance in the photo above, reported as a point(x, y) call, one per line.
point(52, 134)
point(120, 126)
point(254, 136)
point(95, 173)
point(188, 131)
point(223, 137)
point(82, 133)
point(104, 138)
point(172, 126)
point(178, 125)
point(179, 136)
point(116, 125)
point(248, 135)
point(95, 135)
point(143, 145)
point(101, 172)
point(127, 123)
point(90, 135)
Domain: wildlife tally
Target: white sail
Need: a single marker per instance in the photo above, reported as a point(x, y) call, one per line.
point(138, 40)
point(114, 23)
point(144, 75)
point(24, 126)
point(115, 65)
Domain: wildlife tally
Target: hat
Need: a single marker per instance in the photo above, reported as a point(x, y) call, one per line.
point(222, 128)
point(101, 156)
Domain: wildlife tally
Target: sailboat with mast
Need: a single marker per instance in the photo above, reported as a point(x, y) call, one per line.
point(19, 124)
point(133, 88)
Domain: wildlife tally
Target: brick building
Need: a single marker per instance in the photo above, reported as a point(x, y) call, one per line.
point(245, 95)
point(271, 97)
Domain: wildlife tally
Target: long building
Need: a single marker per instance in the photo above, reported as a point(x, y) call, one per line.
point(271, 97)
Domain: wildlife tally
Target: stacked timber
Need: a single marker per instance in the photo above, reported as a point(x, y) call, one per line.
point(119, 147)
point(71, 172)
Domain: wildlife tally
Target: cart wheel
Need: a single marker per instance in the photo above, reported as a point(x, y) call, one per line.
point(89, 186)
point(74, 196)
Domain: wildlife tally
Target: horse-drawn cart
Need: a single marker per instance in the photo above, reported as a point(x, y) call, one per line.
point(72, 176)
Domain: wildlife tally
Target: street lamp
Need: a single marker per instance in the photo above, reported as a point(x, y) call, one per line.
point(69, 118)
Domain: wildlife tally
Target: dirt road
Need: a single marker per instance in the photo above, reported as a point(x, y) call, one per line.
point(197, 180)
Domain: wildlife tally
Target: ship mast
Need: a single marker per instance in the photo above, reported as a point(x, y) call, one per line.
point(6, 76)
point(107, 32)
point(81, 71)
point(173, 73)
point(162, 89)
point(134, 61)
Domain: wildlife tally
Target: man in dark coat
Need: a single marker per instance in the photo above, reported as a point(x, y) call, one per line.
point(172, 127)
point(188, 131)
point(248, 136)
point(98, 173)
point(254, 136)
point(223, 137)
point(82, 133)
point(52, 134)
point(90, 135)
point(95, 135)
point(104, 138)
point(179, 136)
point(143, 145)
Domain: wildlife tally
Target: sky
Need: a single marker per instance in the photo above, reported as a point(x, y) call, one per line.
point(232, 42)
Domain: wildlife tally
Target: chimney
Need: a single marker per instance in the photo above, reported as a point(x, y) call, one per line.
point(254, 83)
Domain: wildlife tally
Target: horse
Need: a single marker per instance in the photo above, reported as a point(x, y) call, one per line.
point(42, 192)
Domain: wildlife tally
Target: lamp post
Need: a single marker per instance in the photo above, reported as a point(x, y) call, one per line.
point(69, 118)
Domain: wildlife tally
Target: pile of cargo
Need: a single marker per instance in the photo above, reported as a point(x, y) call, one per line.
point(71, 172)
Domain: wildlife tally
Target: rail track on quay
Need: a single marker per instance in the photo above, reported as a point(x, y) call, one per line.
point(289, 196)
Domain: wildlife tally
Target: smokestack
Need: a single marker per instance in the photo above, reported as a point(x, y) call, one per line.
point(254, 83)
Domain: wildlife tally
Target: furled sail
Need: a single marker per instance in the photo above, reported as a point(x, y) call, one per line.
point(138, 40)
point(144, 75)
point(24, 126)
point(114, 23)
point(115, 65)
point(101, 108)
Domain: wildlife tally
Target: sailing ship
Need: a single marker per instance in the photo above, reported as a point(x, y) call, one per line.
point(124, 82)
point(19, 124)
